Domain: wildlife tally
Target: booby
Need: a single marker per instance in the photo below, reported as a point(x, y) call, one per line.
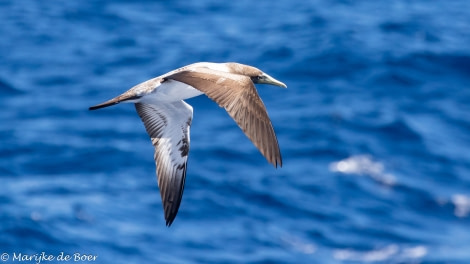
point(167, 118)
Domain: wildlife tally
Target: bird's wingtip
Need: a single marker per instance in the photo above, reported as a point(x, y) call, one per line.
point(276, 163)
point(169, 221)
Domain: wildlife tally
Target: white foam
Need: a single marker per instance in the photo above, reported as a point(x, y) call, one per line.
point(363, 165)
point(382, 254)
point(367, 256)
point(415, 252)
point(462, 205)
point(299, 244)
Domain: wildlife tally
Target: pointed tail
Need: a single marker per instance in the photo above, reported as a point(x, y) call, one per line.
point(105, 104)
point(116, 100)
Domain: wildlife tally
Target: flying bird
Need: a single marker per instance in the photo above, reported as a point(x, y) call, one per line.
point(167, 118)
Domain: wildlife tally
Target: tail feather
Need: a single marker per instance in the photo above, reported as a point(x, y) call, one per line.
point(105, 104)
point(113, 101)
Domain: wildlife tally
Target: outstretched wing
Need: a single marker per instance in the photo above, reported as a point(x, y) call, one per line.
point(168, 126)
point(238, 95)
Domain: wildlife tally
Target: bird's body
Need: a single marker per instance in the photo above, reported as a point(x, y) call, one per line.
point(167, 118)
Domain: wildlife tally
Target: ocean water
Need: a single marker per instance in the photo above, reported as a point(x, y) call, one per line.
point(374, 130)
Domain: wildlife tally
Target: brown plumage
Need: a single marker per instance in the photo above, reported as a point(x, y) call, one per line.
point(167, 118)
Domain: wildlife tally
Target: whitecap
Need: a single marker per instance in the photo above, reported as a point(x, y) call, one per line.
point(299, 244)
point(363, 165)
point(462, 205)
point(386, 253)
point(367, 256)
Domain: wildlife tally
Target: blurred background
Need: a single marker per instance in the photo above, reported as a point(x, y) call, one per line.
point(374, 129)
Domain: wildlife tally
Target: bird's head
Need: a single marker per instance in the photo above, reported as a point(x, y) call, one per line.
point(264, 78)
point(256, 75)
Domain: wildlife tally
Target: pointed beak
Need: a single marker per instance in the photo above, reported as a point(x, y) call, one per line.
point(270, 80)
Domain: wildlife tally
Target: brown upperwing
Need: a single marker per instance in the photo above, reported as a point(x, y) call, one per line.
point(237, 94)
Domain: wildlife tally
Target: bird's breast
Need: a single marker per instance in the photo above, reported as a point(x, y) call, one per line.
point(171, 91)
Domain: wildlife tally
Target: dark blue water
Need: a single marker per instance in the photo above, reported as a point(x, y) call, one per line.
point(374, 130)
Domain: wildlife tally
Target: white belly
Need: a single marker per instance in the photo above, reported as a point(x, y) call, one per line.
point(171, 91)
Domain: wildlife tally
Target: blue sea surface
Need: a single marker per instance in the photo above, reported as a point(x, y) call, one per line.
point(374, 131)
